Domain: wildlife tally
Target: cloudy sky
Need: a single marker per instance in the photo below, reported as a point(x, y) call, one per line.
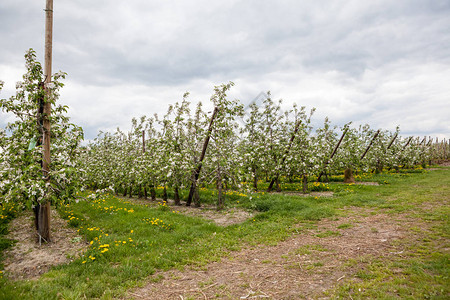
point(385, 63)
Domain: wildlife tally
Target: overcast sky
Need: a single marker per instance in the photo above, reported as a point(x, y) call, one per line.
point(385, 63)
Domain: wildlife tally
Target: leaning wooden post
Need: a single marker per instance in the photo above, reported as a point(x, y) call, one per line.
point(44, 208)
point(291, 140)
point(333, 153)
point(423, 141)
point(380, 166)
point(407, 143)
point(392, 141)
point(143, 153)
point(197, 170)
point(370, 144)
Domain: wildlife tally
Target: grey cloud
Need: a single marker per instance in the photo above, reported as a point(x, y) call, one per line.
point(353, 61)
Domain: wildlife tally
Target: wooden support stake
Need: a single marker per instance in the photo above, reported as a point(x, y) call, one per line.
point(291, 140)
point(197, 170)
point(143, 153)
point(392, 141)
point(407, 143)
point(333, 153)
point(44, 211)
point(370, 144)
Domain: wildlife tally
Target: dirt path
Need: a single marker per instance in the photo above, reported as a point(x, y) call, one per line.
point(301, 267)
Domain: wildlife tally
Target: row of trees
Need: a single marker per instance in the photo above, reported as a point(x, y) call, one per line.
point(229, 146)
point(186, 148)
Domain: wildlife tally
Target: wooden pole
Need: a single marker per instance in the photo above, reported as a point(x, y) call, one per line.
point(392, 141)
point(407, 143)
point(370, 144)
point(44, 211)
point(197, 170)
point(423, 141)
point(143, 141)
point(291, 140)
point(143, 153)
point(333, 153)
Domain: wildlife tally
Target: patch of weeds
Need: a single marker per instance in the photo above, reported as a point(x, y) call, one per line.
point(308, 249)
point(245, 285)
point(362, 274)
point(317, 213)
point(314, 265)
point(350, 263)
point(157, 278)
point(319, 187)
point(76, 239)
point(206, 283)
point(345, 226)
point(328, 233)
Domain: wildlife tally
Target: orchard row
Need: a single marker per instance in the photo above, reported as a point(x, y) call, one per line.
point(230, 148)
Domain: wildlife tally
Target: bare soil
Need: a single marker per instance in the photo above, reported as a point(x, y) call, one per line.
point(27, 259)
point(301, 267)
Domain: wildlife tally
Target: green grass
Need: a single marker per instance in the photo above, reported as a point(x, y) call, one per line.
point(129, 242)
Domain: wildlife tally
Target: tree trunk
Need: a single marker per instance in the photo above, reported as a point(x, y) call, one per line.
point(140, 192)
point(277, 184)
point(348, 176)
point(36, 216)
point(192, 192)
point(196, 197)
point(165, 194)
point(219, 194)
point(197, 170)
point(176, 196)
point(145, 192)
point(255, 180)
point(379, 167)
point(130, 191)
point(305, 183)
point(269, 189)
point(125, 191)
point(153, 193)
point(44, 222)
